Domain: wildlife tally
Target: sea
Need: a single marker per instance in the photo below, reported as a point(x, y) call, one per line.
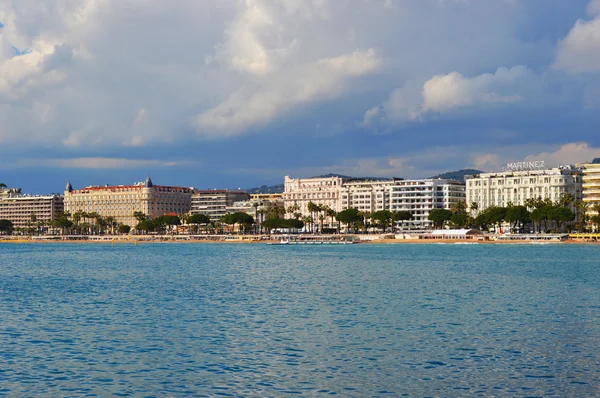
point(250, 320)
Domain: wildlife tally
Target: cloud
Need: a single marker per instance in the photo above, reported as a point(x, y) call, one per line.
point(326, 78)
point(579, 51)
point(453, 91)
point(571, 153)
point(98, 163)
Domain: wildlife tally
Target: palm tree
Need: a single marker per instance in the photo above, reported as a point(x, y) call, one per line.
point(312, 208)
point(474, 207)
point(582, 213)
point(331, 214)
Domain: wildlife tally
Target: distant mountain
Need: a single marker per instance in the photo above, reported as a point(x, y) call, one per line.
point(266, 189)
point(458, 175)
point(596, 161)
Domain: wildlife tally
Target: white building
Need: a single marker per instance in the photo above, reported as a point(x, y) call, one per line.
point(366, 196)
point(516, 186)
point(591, 186)
point(320, 191)
point(214, 202)
point(419, 197)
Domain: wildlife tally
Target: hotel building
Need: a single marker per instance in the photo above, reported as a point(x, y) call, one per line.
point(29, 210)
point(591, 186)
point(320, 191)
point(122, 201)
point(419, 197)
point(516, 186)
point(214, 203)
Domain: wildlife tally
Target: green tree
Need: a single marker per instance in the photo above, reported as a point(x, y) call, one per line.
point(383, 218)
point(561, 215)
point(461, 220)
point(3, 185)
point(6, 226)
point(518, 216)
point(439, 217)
point(459, 207)
point(63, 223)
point(401, 215)
point(124, 229)
point(139, 216)
point(351, 217)
point(331, 214)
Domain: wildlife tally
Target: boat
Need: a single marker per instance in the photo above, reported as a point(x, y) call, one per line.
point(281, 242)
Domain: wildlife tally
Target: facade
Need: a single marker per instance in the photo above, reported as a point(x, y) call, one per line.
point(27, 211)
point(121, 201)
point(366, 196)
point(591, 186)
point(502, 188)
point(419, 197)
point(320, 191)
point(214, 203)
point(256, 208)
point(267, 196)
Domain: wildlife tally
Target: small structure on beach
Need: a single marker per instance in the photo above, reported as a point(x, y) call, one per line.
point(453, 234)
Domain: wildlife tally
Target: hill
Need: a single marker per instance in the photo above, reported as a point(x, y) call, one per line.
point(596, 161)
point(458, 175)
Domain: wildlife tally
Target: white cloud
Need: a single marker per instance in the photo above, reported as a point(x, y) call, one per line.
point(571, 153)
point(579, 52)
point(325, 79)
point(452, 91)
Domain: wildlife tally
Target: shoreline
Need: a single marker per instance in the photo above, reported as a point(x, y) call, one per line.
point(170, 240)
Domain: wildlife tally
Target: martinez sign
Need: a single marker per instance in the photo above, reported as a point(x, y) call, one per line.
point(533, 165)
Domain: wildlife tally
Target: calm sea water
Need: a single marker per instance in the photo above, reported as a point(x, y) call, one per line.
point(254, 320)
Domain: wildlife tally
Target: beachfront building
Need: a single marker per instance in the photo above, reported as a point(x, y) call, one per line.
point(365, 195)
point(29, 211)
point(591, 187)
point(257, 208)
point(320, 191)
point(122, 201)
point(214, 203)
point(516, 186)
point(419, 197)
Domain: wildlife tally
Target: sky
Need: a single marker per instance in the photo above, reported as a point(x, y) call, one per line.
point(240, 93)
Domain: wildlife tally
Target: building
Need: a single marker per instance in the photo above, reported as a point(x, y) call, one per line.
point(267, 196)
point(516, 186)
point(366, 196)
point(214, 203)
point(419, 197)
point(122, 201)
point(320, 191)
point(591, 186)
point(29, 211)
point(258, 209)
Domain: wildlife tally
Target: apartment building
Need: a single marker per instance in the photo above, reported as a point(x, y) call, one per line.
point(122, 201)
point(214, 203)
point(420, 197)
point(591, 186)
point(366, 196)
point(516, 186)
point(26, 211)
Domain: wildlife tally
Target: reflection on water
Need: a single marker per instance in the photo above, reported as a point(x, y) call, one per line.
point(248, 320)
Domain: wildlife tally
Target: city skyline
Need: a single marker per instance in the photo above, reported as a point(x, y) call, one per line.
point(240, 93)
